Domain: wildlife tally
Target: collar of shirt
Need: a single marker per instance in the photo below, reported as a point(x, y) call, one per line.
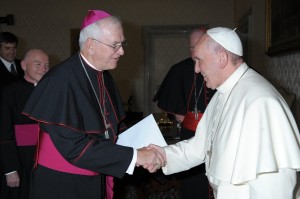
point(91, 65)
point(7, 64)
point(233, 79)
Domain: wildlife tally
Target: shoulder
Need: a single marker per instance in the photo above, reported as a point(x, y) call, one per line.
point(253, 83)
point(184, 63)
point(254, 88)
point(182, 67)
point(2, 67)
point(63, 70)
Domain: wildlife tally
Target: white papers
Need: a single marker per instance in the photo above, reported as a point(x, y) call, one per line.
point(142, 134)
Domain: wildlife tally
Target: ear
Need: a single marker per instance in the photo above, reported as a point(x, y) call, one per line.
point(90, 46)
point(23, 65)
point(223, 59)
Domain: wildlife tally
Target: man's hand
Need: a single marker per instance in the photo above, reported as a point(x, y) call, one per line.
point(150, 159)
point(159, 150)
point(179, 118)
point(13, 179)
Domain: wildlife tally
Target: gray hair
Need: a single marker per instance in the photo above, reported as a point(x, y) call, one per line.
point(97, 30)
point(217, 47)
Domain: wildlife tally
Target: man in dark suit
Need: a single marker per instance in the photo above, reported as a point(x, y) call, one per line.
point(8, 51)
point(10, 67)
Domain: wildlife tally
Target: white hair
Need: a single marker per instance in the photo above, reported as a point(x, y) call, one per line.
point(98, 29)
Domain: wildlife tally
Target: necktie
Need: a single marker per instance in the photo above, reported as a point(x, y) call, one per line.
point(13, 70)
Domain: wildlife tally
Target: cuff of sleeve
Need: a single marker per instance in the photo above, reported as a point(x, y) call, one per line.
point(10, 173)
point(133, 162)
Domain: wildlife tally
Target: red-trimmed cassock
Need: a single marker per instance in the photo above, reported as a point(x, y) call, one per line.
point(69, 104)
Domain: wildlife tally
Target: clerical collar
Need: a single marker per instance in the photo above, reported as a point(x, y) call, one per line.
point(91, 65)
point(6, 63)
point(233, 79)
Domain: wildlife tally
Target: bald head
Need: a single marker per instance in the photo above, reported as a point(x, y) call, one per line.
point(35, 65)
point(195, 35)
point(33, 53)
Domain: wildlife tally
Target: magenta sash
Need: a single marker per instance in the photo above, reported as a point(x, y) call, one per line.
point(49, 157)
point(26, 134)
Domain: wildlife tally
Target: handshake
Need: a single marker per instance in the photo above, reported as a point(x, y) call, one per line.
point(151, 158)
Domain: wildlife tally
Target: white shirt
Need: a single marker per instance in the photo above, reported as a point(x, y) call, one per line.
point(8, 64)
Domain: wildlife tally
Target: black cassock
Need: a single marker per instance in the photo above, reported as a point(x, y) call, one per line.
point(176, 93)
point(13, 157)
point(65, 104)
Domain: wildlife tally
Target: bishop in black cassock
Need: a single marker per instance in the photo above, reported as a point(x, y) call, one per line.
point(65, 104)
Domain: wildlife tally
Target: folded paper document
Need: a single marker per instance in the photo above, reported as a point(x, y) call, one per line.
point(142, 134)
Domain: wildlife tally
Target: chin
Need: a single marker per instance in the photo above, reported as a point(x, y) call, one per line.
point(112, 67)
point(208, 85)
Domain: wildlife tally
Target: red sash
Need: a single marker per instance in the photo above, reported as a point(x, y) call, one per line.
point(49, 157)
point(26, 134)
point(190, 122)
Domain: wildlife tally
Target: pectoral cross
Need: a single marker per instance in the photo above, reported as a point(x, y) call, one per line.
point(196, 113)
point(209, 153)
point(106, 131)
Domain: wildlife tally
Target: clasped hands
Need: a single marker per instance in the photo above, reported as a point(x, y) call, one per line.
point(151, 158)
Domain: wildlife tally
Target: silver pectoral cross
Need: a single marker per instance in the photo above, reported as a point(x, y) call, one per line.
point(209, 154)
point(106, 134)
point(106, 131)
point(196, 113)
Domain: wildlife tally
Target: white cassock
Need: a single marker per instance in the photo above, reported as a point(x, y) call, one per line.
point(248, 139)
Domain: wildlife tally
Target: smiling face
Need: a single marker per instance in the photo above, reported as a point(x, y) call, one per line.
point(35, 65)
point(104, 50)
point(207, 62)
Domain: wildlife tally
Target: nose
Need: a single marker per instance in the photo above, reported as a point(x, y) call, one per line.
point(45, 68)
point(121, 50)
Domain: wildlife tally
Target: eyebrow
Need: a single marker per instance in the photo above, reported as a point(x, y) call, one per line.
point(119, 42)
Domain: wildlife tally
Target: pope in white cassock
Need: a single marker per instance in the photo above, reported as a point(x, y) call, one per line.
point(247, 136)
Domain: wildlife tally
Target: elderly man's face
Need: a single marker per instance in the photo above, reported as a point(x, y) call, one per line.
point(108, 49)
point(206, 63)
point(35, 65)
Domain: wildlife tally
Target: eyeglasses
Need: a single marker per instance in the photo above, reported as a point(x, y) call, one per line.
point(116, 47)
